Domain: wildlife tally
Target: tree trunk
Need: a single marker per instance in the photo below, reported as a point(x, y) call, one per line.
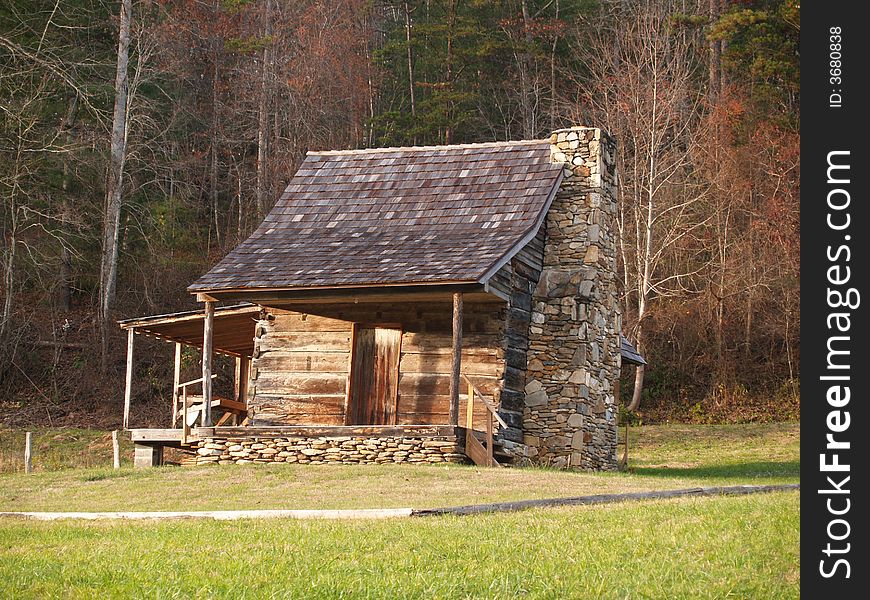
point(553, 74)
point(213, 166)
point(410, 63)
point(640, 370)
point(526, 64)
point(111, 224)
point(11, 239)
point(263, 117)
point(451, 25)
point(65, 275)
point(715, 67)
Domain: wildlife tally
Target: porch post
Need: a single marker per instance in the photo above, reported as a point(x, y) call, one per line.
point(128, 383)
point(457, 359)
point(207, 335)
point(176, 380)
point(242, 369)
point(237, 378)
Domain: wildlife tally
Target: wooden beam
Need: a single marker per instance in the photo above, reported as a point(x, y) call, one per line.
point(457, 359)
point(309, 431)
point(207, 355)
point(237, 379)
point(244, 366)
point(176, 380)
point(490, 460)
point(351, 359)
point(128, 383)
point(469, 407)
point(375, 293)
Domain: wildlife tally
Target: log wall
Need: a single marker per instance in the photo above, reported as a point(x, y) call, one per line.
point(517, 280)
point(301, 362)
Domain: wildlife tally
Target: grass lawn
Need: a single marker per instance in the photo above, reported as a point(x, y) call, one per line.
point(742, 547)
point(62, 448)
point(663, 457)
point(688, 548)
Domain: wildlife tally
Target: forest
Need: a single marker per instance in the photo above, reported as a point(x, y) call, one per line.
point(140, 140)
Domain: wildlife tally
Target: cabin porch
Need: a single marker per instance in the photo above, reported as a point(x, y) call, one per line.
point(313, 384)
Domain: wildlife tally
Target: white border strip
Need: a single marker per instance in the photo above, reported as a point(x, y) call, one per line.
point(218, 515)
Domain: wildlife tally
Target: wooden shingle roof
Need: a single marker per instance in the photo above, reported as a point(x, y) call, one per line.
point(395, 216)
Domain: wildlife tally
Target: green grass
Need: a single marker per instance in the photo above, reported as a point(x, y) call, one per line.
point(742, 547)
point(665, 458)
point(62, 448)
point(716, 547)
point(712, 452)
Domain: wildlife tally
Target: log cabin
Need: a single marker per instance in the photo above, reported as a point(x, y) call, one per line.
point(423, 304)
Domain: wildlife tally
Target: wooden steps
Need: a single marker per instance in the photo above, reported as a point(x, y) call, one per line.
point(475, 449)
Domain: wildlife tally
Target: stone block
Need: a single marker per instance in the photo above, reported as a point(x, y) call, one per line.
point(147, 456)
point(534, 385)
point(538, 398)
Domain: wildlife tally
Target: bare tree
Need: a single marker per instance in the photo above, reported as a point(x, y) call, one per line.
point(641, 86)
point(263, 113)
point(112, 221)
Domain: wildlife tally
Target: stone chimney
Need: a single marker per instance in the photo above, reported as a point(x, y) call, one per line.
point(570, 413)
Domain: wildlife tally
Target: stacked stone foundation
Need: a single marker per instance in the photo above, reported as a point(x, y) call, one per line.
point(330, 450)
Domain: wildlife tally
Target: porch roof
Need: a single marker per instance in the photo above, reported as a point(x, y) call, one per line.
point(233, 328)
point(630, 355)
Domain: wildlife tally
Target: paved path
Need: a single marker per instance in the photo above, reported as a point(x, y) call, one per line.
point(392, 513)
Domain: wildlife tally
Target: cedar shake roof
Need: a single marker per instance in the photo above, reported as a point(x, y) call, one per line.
point(396, 216)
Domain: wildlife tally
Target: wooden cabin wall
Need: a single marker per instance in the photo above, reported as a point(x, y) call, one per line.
point(301, 367)
point(517, 280)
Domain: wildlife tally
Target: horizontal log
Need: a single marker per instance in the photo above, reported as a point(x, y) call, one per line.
point(435, 405)
point(269, 419)
point(436, 342)
point(529, 269)
point(303, 362)
point(518, 321)
point(514, 379)
point(281, 383)
point(437, 418)
point(298, 405)
point(308, 341)
point(515, 357)
point(428, 384)
point(297, 322)
point(479, 363)
point(155, 435)
point(386, 312)
point(422, 418)
point(306, 431)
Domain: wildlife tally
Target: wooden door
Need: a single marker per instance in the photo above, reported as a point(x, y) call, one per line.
point(374, 378)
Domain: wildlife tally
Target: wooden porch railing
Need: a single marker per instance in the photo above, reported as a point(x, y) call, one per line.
point(184, 400)
point(477, 452)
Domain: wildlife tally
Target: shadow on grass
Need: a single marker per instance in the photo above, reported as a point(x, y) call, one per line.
point(746, 470)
